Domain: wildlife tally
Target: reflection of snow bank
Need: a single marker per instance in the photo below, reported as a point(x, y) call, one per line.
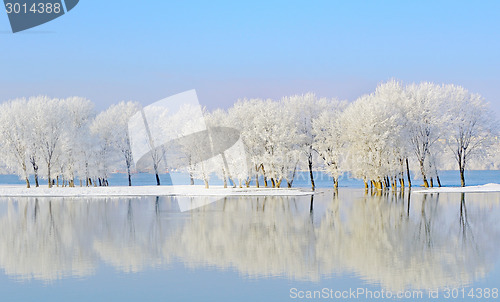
point(471, 189)
point(17, 191)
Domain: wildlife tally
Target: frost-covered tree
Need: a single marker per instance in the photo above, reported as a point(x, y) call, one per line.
point(79, 112)
point(470, 128)
point(33, 151)
point(328, 140)
point(194, 149)
point(88, 162)
point(236, 159)
point(277, 130)
point(426, 114)
point(115, 119)
point(15, 137)
point(242, 116)
point(364, 147)
point(391, 96)
point(49, 122)
point(157, 119)
point(374, 130)
point(215, 119)
point(305, 108)
point(104, 147)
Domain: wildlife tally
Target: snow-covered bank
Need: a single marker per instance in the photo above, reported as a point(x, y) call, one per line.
point(21, 191)
point(472, 189)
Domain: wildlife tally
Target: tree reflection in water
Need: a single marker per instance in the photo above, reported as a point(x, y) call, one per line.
point(399, 241)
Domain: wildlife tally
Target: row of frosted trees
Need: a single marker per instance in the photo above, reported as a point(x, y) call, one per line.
point(63, 140)
point(379, 138)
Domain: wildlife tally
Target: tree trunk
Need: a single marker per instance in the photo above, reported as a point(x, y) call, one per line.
point(461, 168)
point(27, 183)
point(226, 170)
point(408, 173)
point(206, 183)
point(313, 186)
point(157, 179)
point(191, 178)
point(129, 176)
point(424, 176)
point(290, 183)
point(278, 184)
point(426, 183)
point(257, 180)
point(437, 175)
point(35, 170)
point(264, 174)
point(48, 176)
point(87, 176)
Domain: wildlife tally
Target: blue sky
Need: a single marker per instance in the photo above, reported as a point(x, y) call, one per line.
point(110, 51)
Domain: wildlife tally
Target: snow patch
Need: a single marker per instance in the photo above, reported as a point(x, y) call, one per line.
point(491, 187)
point(20, 191)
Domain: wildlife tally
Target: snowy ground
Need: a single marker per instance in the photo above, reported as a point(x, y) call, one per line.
point(471, 189)
point(19, 191)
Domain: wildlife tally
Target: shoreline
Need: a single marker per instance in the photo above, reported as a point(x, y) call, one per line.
point(200, 191)
point(126, 191)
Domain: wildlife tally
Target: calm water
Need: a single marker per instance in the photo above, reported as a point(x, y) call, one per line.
point(248, 248)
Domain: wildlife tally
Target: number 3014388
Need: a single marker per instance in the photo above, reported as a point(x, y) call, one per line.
point(34, 8)
point(474, 293)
